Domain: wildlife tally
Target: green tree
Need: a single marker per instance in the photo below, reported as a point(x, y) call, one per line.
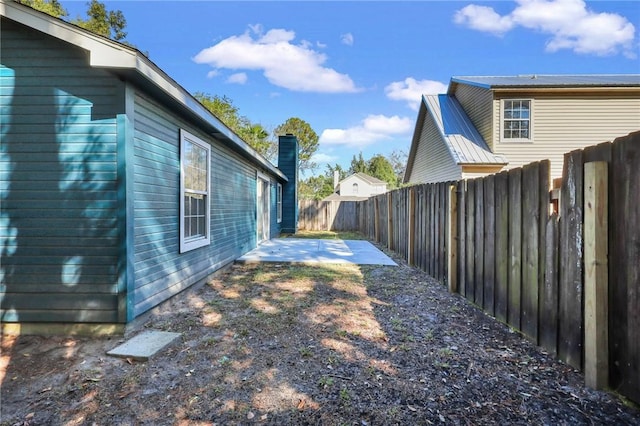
point(105, 22)
point(398, 159)
point(108, 23)
point(358, 165)
point(254, 134)
point(321, 186)
point(379, 167)
point(307, 140)
point(51, 7)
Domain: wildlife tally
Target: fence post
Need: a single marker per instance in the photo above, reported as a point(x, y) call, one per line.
point(390, 221)
point(596, 336)
point(452, 240)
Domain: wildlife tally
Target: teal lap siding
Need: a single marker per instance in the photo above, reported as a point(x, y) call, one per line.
point(58, 176)
point(161, 271)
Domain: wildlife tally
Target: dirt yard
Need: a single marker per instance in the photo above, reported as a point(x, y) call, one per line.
point(319, 345)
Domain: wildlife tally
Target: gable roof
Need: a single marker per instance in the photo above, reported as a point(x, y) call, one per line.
point(365, 177)
point(465, 143)
point(548, 81)
point(133, 65)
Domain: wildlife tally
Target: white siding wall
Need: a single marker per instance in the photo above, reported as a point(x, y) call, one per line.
point(478, 104)
point(568, 122)
point(364, 188)
point(433, 161)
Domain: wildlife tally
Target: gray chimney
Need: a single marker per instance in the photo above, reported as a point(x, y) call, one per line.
point(336, 181)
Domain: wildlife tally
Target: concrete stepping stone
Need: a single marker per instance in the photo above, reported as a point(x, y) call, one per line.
point(145, 345)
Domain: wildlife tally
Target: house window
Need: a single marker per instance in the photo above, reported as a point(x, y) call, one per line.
point(355, 188)
point(279, 203)
point(516, 120)
point(195, 176)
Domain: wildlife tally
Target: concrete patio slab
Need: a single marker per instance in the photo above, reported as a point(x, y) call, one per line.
point(302, 250)
point(145, 345)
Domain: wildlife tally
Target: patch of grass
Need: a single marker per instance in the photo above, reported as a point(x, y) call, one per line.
point(305, 352)
point(445, 352)
point(344, 395)
point(325, 382)
point(341, 334)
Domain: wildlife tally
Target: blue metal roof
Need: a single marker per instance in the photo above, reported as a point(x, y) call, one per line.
point(462, 138)
point(541, 80)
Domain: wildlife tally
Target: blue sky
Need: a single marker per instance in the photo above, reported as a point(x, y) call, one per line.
point(355, 71)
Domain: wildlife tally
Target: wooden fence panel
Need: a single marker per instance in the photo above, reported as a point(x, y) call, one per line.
point(624, 271)
point(570, 258)
point(470, 239)
point(530, 249)
point(501, 192)
point(515, 248)
point(489, 244)
point(461, 192)
point(478, 244)
point(549, 293)
point(442, 230)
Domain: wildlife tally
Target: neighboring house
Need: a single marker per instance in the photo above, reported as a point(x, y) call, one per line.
point(486, 124)
point(118, 189)
point(358, 186)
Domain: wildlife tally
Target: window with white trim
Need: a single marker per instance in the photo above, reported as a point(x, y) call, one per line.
point(195, 177)
point(354, 188)
point(516, 120)
point(279, 203)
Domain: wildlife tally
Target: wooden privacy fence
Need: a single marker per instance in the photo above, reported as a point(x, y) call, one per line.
point(494, 240)
point(327, 215)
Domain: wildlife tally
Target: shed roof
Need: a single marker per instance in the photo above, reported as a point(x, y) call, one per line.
point(462, 138)
point(549, 81)
point(133, 65)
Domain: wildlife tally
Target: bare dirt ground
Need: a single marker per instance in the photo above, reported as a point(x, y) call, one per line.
point(320, 345)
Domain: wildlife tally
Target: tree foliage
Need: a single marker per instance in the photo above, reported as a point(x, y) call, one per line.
point(105, 22)
point(51, 7)
point(254, 134)
point(307, 140)
point(377, 166)
point(321, 186)
point(108, 23)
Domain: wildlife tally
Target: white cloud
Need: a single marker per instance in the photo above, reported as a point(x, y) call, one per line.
point(292, 66)
point(569, 23)
point(213, 73)
point(321, 158)
point(372, 129)
point(411, 90)
point(238, 78)
point(347, 39)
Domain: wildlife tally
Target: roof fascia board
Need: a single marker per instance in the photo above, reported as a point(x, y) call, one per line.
point(106, 53)
point(417, 131)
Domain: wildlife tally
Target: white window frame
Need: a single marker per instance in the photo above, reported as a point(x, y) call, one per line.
point(503, 139)
point(187, 244)
point(279, 203)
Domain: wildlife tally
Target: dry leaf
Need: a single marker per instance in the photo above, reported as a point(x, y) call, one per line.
point(301, 404)
point(250, 415)
point(412, 408)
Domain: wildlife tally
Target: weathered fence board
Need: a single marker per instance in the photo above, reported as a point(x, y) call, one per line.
point(530, 249)
point(549, 294)
point(515, 247)
point(489, 244)
point(501, 188)
point(470, 238)
point(570, 258)
point(624, 273)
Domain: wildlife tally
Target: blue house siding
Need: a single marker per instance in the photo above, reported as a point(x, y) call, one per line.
point(58, 181)
point(160, 270)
